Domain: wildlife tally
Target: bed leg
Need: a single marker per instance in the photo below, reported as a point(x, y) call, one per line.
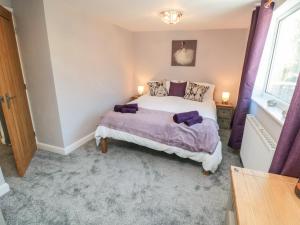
point(206, 173)
point(103, 145)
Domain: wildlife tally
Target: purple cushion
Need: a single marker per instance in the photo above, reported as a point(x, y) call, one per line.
point(177, 89)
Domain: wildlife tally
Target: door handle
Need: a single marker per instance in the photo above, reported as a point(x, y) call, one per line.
point(8, 99)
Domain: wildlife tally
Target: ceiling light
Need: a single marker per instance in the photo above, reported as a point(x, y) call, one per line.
point(171, 16)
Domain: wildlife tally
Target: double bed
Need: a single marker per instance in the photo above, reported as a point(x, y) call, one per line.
point(169, 104)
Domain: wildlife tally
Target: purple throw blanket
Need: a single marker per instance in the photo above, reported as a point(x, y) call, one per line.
point(159, 126)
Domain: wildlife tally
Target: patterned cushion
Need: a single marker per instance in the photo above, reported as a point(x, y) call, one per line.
point(195, 92)
point(157, 88)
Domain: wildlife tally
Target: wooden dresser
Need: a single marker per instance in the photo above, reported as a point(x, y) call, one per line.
point(262, 199)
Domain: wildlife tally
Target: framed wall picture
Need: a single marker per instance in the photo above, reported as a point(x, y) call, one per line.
point(184, 52)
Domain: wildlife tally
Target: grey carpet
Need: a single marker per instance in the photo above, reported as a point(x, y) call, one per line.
point(7, 163)
point(128, 185)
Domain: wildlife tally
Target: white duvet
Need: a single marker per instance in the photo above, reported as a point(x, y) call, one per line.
point(210, 162)
point(177, 105)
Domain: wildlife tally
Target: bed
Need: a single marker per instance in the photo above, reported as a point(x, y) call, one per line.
point(207, 109)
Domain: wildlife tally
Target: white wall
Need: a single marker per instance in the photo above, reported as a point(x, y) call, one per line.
point(219, 60)
point(34, 49)
point(92, 66)
point(6, 3)
point(77, 66)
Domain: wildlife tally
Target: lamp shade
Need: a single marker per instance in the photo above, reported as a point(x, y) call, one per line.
point(225, 97)
point(140, 89)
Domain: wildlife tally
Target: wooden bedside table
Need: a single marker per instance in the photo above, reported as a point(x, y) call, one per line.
point(225, 114)
point(134, 97)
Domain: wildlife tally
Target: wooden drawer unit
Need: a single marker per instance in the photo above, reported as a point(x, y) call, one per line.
point(224, 123)
point(224, 113)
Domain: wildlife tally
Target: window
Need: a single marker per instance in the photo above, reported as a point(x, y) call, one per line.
point(284, 67)
point(280, 64)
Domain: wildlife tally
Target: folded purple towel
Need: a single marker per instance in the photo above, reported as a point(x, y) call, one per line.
point(194, 120)
point(182, 117)
point(128, 110)
point(133, 105)
point(118, 108)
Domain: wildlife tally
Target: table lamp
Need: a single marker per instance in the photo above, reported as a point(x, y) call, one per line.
point(140, 89)
point(225, 97)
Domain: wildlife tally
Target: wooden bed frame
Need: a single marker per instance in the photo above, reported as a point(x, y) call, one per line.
point(104, 147)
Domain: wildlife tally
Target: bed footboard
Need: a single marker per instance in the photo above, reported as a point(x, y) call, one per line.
point(103, 145)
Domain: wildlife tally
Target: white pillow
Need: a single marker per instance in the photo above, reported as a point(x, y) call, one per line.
point(209, 95)
point(157, 88)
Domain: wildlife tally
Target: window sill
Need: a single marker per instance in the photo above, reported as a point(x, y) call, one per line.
point(274, 112)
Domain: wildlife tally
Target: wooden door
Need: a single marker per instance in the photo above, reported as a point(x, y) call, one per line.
point(14, 99)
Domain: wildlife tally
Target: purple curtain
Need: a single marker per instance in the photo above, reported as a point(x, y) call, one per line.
point(286, 160)
point(261, 19)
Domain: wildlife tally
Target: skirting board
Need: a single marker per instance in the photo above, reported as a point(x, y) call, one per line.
point(4, 188)
point(67, 150)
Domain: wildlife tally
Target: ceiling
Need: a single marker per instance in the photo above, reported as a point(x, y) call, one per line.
point(143, 15)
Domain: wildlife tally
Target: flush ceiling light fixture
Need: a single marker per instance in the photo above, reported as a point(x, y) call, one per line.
point(171, 16)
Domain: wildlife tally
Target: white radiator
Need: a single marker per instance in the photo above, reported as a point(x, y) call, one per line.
point(258, 147)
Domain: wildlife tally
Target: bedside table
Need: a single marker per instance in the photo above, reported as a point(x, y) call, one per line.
point(225, 114)
point(134, 97)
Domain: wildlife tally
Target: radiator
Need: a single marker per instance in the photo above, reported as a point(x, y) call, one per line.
point(258, 147)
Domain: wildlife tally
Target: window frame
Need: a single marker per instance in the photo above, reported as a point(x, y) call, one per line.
point(273, 40)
